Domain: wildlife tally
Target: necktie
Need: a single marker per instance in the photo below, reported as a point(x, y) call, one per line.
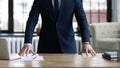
point(56, 8)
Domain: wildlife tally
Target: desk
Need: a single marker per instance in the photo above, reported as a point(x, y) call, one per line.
point(62, 60)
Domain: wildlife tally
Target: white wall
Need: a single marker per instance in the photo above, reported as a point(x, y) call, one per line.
point(115, 10)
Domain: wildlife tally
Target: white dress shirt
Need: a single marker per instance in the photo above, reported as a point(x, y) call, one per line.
point(59, 1)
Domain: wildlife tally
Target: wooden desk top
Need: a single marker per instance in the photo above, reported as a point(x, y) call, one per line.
point(62, 60)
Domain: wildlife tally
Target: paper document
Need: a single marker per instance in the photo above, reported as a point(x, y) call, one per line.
point(32, 58)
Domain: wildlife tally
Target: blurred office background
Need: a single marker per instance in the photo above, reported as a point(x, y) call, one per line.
point(14, 14)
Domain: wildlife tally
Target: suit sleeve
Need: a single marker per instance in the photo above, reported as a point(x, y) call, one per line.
point(32, 21)
point(82, 21)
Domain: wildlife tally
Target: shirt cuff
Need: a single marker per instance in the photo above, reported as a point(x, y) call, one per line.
point(86, 43)
point(27, 44)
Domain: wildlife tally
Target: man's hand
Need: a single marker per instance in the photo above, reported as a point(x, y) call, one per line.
point(26, 50)
point(87, 48)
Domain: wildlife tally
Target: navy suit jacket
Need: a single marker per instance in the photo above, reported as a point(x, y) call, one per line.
point(60, 29)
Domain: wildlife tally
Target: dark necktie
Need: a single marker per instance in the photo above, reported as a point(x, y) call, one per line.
point(56, 8)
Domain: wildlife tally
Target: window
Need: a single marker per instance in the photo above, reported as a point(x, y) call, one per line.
point(96, 10)
point(14, 13)
point(4, 15)
point(21, 12)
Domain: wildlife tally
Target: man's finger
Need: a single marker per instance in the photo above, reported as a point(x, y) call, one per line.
point(86, 51)
point(21, 53)
point(80, 52)
point(24, 52)
point(94, 52)
point(91, 52)
point(27, 51)
point(33, 52)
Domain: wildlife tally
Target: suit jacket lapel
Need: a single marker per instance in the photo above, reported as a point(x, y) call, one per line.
point(51, 8)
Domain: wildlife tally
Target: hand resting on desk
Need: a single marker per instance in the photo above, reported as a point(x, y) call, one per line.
point(87, 48)
point(26, 50)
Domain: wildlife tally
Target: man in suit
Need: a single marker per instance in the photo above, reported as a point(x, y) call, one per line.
point(57, 35)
